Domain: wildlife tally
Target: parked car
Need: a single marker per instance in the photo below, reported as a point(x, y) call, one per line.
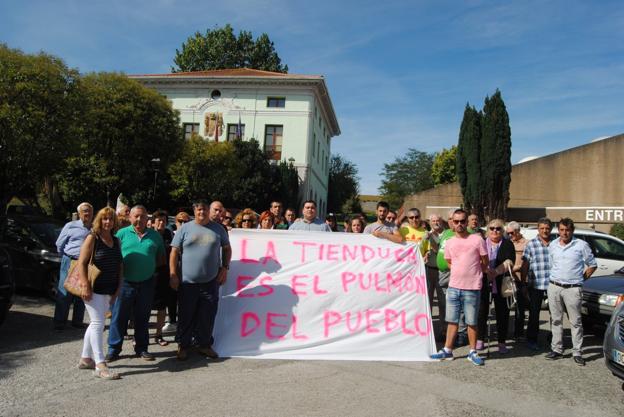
point(601, 295)
point(608, 250)
point(31, 244)
point(613, 344)
point(7, 284)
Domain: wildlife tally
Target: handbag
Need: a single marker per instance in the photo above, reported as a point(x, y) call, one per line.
point(72, 282)
point(508, 289)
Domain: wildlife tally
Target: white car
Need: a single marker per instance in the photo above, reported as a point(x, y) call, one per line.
point(608, 250)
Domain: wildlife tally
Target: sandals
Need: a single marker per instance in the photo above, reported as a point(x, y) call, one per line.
point(82, 364)
point(105, 373)
point(159, 339)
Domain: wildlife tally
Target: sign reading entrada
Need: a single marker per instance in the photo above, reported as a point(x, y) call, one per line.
point(589, 214)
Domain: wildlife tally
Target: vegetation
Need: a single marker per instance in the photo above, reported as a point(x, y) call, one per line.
point(405, 176)
point(343, 186)
point(443, 170)
point(220, 48)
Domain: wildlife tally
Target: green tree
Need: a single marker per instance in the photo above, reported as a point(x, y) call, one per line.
point(205, 170)
point(495, 157)
point(126, 135)
point(617, 230)
point(220, 48)
point(444, 168)
point(287, 178)
point(256, 184)
point(343, 185)
point(405, 176)
point(469, 162)
point(37, 111)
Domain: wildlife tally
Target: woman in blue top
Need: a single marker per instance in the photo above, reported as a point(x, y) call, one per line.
point(98, 299)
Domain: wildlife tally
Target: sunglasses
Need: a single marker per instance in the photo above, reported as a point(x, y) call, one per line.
point(245, 220)
point(227, 218)
point(498, 229)
point(413, 217)
point(460, 221)
point(182, 221)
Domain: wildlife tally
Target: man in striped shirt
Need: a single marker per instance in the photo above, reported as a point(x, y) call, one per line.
point(535, 271)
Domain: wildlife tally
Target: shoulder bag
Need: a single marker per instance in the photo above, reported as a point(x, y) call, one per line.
point(72, 282)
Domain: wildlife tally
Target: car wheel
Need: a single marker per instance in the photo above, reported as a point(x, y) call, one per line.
point(52, 284)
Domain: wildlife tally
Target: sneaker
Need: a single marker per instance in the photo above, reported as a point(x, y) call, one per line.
point(146, 356)
point(502, 349)
point(479, 345)
point(443, 355)
point(475, 358)
point(208, 351)
point(169, 328)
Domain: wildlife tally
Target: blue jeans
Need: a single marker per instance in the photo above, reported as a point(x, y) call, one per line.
point(133, 297)
point(458, 300)
point(64, 300)
point(196, 313)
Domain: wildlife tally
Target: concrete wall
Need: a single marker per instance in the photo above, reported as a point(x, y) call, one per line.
point(556, 185)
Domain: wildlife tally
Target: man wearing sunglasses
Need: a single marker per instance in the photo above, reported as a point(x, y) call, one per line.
point(466, 255)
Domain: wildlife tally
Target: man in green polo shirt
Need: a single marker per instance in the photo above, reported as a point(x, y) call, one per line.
point(142, 249)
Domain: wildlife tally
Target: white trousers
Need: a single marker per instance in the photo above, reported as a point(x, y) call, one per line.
point(94, 336)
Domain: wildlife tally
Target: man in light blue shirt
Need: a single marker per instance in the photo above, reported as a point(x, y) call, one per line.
point(309, 222)
point(571, 262)
point(68, 246)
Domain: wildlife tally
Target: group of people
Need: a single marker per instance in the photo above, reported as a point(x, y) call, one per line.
point(477, 264)
point(144, 266)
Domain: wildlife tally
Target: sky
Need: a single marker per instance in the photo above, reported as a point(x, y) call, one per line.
point(399, 72)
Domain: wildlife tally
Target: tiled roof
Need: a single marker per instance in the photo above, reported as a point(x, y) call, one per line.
point(233, 72)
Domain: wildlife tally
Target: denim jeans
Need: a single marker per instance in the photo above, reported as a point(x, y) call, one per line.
point(196, 312)
point(64, 300)
point(466, 301)
point(134, 297)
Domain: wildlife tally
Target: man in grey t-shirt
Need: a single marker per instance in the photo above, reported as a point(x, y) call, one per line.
point(381, 228)
point(309, 222)
point(206, 253)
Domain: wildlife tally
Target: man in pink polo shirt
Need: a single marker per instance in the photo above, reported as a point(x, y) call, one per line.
point(466, 255)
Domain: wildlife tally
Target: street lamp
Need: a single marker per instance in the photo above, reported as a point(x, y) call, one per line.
point(155, 167)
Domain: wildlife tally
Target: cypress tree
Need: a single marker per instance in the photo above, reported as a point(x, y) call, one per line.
point(495, 157)
point(468, 160)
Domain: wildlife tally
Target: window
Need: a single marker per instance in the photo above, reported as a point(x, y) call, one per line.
point(607, 248)
point(273, 141)
point(215, 95)
point(189, 129)
point(314, 145)
point(232, 131)
point(276, 102)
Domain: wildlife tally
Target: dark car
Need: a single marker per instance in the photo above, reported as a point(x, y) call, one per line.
point(31, 244)
point(7, 284)
point(613, 345)
point(601, 295)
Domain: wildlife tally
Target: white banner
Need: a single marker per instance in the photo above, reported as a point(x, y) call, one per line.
point(315, 295)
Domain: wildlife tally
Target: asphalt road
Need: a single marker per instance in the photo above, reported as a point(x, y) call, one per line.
point(38, 376)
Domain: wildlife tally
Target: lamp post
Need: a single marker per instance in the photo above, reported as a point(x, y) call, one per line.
point(155, 168)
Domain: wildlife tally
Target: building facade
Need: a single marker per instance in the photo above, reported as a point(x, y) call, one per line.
point(291, 116)
point(583, 183)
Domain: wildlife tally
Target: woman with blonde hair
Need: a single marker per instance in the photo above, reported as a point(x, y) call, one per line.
point(246, 219)
point(106, 251)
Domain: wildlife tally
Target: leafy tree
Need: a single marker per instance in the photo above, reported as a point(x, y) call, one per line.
point(343, 185)
point(205, 170)
point(256, 184)
point(444, 168)
point(126, 132)
point(617, 230)
point(220, 48)
point(37, 110)
point(406, 175)
point(468, 160)
point(495, 157)
point(287, 179)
